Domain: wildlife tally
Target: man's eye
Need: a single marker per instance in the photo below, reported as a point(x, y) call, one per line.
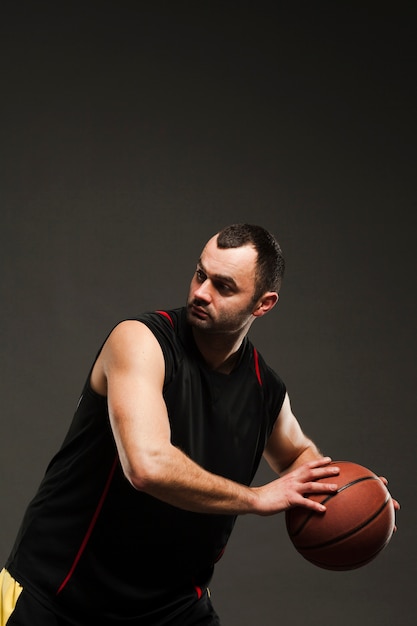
point(201, 277)
point(224, 288)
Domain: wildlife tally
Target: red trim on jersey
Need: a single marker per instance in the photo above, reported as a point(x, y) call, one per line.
point(257, 370)
point(91, 526)
point(220, 554)
point(167, 315)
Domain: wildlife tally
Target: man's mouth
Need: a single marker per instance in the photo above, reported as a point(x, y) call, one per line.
point(198, 311)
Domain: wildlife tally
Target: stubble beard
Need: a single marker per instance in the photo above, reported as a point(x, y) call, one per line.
point(223, 325)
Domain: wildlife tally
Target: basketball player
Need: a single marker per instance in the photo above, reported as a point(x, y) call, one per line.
point(177, 410)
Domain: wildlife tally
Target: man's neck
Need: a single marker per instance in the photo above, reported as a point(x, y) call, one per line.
point(220, 352)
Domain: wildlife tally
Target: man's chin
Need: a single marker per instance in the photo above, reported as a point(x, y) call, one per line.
point(207, 326)
point(198, 321)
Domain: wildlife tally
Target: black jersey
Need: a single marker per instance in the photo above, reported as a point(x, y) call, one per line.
point(91, 545)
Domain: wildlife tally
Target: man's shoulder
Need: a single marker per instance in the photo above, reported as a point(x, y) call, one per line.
point(173, 318)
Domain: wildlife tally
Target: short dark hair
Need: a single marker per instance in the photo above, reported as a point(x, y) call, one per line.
point(270, 265)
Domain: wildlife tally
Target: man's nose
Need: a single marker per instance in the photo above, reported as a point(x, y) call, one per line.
point(203, 292)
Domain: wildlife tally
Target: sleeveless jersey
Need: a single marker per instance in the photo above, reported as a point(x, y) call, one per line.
point(91, 546)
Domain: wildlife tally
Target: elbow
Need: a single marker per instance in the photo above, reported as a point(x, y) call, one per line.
point(144, 472)
point(138, 479)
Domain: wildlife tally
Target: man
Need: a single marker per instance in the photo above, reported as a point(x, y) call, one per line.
point(175, 415)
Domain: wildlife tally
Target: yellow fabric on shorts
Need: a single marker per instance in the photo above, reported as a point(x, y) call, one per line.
point(10, 591)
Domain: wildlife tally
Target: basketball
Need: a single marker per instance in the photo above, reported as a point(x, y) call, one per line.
point(358, 522)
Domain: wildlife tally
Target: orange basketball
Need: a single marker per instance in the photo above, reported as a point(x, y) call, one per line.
point(358, 522)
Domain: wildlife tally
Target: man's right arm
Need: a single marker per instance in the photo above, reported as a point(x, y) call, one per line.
point(130, 371)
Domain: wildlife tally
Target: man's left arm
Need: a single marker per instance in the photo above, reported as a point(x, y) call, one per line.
point(288, 447)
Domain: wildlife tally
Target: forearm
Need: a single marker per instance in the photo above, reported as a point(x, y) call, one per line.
point(309, 453)
point(173, 477)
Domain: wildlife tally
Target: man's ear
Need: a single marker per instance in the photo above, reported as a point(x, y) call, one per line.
point(266, 303)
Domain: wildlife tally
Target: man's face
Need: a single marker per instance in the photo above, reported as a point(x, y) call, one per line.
point(221, 293)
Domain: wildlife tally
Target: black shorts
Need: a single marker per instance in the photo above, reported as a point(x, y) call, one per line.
point(28, 611)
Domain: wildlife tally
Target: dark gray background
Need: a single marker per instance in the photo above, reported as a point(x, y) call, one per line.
point(131, 132)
